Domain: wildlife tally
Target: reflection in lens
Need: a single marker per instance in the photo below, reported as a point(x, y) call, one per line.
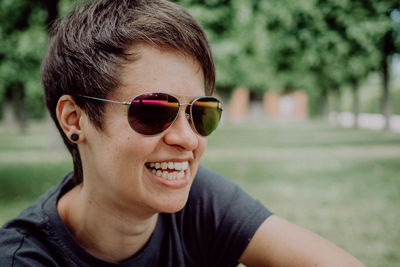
point(206, 114)
point(152, 113)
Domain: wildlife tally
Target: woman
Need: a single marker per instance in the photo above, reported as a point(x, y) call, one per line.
point(137, 196)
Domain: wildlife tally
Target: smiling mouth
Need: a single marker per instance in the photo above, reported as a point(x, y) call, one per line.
point(168, 170)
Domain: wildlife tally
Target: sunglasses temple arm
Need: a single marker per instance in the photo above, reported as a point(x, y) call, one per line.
point(105, 100)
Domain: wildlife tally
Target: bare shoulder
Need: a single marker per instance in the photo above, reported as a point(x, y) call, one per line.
point(280, 243)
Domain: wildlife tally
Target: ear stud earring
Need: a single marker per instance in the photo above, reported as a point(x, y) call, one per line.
point(74, 137)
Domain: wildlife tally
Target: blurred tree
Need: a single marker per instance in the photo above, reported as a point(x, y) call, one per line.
point(388, 44)
point(302, 49)
point(323, 45)
point(23, 37)
point(320, 46)
point(238, 39)
point(355, 25)
point(370, 35)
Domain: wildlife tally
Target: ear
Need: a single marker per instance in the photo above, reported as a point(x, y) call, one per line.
point(70, 116)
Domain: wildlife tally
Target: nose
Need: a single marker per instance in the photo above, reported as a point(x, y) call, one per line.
point(181, 133)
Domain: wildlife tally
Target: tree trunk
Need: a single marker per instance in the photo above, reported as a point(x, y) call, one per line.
point(9, 117)
point(386, 108)
point(14, 107)
point(356, 102)
point(20, 110)
point(324, 104)
point(337, 108)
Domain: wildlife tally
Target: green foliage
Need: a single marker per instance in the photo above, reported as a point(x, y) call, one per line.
point(317, 45)
point(238, 39)
point(325, 45)
point(23, 34)
point(65, 6)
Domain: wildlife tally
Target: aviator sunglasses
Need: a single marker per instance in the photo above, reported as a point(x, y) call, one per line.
point(152, 113)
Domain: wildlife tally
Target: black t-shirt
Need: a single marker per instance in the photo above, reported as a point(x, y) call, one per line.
point(213, 229)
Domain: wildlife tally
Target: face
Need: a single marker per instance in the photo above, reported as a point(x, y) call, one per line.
point(124, 169)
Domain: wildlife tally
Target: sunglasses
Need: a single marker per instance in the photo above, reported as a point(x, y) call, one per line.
point(152, 113)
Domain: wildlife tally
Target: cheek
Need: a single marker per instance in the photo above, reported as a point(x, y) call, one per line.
point(126, 159)
point(201, 147)
point(136, 148)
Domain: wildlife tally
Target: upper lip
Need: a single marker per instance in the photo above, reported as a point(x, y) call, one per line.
point(170, 160)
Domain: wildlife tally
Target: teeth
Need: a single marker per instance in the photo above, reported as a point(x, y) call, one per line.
point(176, 169)
point(178, 166)
point(169, 175)
point(164, 165)
point(185, 165)
point(169, 165)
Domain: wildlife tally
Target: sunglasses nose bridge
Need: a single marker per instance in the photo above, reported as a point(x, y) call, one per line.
point(182, 126)
point(187, 110)
point(185, 104)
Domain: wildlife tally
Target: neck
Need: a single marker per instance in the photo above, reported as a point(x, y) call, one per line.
point(92, 223)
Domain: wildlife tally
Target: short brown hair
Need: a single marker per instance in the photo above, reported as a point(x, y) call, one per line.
point(88, 47)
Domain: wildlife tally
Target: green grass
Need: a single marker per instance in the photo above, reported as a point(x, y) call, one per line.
point(341, 183)
point(29, 165)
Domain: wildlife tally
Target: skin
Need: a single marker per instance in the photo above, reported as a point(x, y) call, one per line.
point(280, 243)
point(120, 199)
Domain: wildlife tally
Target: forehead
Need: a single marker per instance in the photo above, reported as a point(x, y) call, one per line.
point(160, 70)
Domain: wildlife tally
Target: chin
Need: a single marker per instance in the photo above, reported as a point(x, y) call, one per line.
point(173, 205)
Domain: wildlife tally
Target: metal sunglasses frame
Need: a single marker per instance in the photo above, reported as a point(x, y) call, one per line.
point(188, 116)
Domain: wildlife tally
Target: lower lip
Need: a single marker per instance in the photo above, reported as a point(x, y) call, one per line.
point(173, 184)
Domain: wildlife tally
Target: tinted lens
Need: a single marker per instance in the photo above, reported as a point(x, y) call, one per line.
point(206, 112)
point(152, 113)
